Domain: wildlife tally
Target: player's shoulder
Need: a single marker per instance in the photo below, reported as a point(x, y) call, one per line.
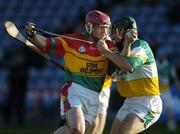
point(111, 45)
point(140, 42)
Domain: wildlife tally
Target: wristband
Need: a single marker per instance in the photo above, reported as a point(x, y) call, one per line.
point(31, 34)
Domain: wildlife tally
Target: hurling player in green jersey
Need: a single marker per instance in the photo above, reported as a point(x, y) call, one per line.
point(137, 79)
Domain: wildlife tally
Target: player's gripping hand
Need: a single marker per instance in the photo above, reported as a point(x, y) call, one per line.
point(130, 37)
point(30, 29)
point(102, 46)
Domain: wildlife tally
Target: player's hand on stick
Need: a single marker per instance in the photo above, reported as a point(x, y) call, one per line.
point(30, 29)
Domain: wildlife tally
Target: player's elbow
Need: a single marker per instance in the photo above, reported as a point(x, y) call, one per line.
point(128, 67)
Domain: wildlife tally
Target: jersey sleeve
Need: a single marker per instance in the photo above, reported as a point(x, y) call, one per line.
point(138, 55)
point(111, 46)
point(55, 45)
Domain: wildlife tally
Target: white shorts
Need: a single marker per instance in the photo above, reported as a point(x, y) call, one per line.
point(75, 95)
point(167, 100)
point(147, 108)
point(104, 100)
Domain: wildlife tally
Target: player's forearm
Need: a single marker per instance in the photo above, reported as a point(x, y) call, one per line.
point(120, 61)
point(116, 58)
point(39, 41)
point(126, 51)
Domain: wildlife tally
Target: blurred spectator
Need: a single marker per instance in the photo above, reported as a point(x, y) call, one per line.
point(166, 72)
point(15, 61)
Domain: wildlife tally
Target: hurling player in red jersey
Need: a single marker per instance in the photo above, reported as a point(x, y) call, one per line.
point(85, 70)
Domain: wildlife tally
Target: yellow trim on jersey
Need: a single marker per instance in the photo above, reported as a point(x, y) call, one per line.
point(139, 52)
point(139, 87)
point(107, 82)
point(139, 56)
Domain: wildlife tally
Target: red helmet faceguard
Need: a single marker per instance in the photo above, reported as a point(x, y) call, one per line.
point(94, 18)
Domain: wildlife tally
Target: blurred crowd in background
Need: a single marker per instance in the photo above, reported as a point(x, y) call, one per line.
point(30, 83)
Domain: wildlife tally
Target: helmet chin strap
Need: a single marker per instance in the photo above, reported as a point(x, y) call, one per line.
point(123, 37)
point(119, 44)
point(89, 29)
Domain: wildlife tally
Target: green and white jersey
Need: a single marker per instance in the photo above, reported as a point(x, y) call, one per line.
point(143, 81)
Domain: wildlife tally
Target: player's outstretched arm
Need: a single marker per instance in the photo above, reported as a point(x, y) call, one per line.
point(36, 39)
